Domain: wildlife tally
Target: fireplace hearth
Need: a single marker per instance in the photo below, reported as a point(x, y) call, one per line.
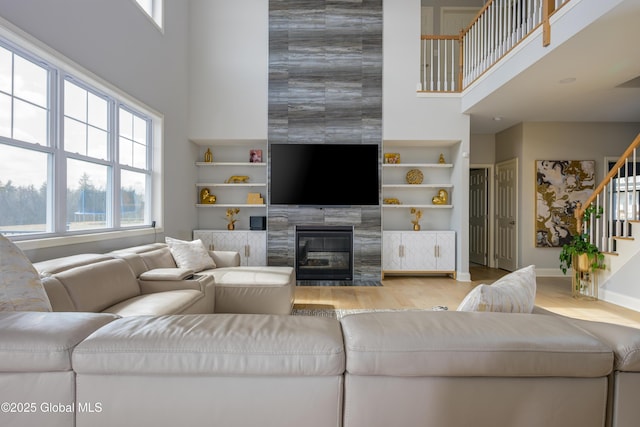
point(324, 253)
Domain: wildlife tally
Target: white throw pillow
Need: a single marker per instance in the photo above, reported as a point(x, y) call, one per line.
point(20, 285)
point(190, 255)
point(513, 293)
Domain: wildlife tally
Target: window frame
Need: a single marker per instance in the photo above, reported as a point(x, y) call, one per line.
point(60, 69)
point(155, 15)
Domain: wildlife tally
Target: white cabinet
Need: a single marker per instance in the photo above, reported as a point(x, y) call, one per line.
point(413, 174)
point(419, 252)
point(251, 245)
point(231, 177)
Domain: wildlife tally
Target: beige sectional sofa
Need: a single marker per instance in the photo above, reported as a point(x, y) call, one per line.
point(423, 368)
point(145, 280)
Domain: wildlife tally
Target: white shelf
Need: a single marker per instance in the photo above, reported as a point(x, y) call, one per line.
point(231, 164)
point(417, 165)
point(413, 186)
point(407, 206)
point(219, 184)
point(228, 205)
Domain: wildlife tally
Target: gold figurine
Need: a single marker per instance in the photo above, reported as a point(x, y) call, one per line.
point(237, 178)
point(441, 159)
point(231, 212)
point(417, 213)
point(206, 198)
point(208, 156)
point(441, 198)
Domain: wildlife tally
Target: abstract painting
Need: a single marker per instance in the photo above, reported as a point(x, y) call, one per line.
point(560, 186)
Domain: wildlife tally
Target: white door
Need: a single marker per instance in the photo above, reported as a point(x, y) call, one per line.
point(231, 241)
point(478, 216)
point(506, 215)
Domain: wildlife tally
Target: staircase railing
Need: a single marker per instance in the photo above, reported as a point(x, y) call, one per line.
point(618, 195)
point(450, 63)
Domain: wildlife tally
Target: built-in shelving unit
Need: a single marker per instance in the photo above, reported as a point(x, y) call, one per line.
point(230, 158)
point(432, 249)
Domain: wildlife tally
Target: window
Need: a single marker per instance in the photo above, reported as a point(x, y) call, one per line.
point(154, 9)
point(76, 156)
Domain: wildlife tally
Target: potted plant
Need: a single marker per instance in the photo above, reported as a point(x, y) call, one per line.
point(582, 255)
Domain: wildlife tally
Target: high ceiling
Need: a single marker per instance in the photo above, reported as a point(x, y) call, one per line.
point(593, 77)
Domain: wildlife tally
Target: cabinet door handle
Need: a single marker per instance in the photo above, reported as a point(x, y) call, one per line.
point(401, 251)
point(246, 250)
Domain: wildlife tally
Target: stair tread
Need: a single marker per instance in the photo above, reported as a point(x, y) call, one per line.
point(611, 253)
point(623, 238)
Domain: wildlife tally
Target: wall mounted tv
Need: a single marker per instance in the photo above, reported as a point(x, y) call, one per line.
point(324, 174)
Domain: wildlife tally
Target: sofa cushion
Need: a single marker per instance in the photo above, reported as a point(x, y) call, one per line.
point(513, 293)
point(215, 344)
point(97, 286)
point(458, 344)
point(158, 258)
point(20, 285)
point(190, 255)
point(40, 342)
point(167, 302)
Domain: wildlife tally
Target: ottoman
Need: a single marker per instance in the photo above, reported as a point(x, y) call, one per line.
point(254, 290)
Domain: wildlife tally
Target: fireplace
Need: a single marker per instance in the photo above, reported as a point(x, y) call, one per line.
point(324, 253)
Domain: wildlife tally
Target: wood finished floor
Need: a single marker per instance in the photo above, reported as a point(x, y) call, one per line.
point(401, 292)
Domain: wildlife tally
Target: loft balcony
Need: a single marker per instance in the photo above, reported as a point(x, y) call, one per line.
point(539, 60)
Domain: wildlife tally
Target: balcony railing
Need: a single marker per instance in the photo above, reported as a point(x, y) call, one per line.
point(618, 198)
point(450, 63)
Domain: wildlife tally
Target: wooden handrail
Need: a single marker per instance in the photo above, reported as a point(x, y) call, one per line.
point(612, 173)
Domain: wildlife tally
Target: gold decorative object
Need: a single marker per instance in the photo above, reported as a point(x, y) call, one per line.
point(206, 198)
point(231, 213)
point(237, 179)
point(441, 158)
point(208, 156)
point(441, 198)
point(254, 199)
point(392, 158)
point(391, 201)
point(417, 213)
point(414, 176)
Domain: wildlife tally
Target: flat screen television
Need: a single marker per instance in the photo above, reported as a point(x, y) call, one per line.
point(324, 174)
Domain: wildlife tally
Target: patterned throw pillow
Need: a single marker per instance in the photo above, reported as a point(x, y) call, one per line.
point(190, 255)
point(20, 285)
point(513, 293)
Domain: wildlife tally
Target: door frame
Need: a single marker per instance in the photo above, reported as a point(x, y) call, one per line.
point(490, 167)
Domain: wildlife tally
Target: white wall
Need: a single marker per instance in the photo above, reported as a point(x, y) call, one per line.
point(228, 78)
point(555, 141)
point(408, 116)
point(117, 42)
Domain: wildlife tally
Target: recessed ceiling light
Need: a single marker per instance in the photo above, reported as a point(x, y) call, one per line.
point(567, 80)
point(497, 118)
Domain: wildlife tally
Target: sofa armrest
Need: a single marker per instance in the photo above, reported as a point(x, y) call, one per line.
point(225, 258)
point(200, 282)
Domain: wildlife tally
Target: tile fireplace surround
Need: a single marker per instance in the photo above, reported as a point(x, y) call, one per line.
point(325, 86)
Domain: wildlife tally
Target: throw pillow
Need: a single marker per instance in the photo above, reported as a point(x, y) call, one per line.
point(513, 293)
point(20, 285)
point(190, 255)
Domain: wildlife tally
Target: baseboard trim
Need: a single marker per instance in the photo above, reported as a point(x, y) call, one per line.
point(619, 299)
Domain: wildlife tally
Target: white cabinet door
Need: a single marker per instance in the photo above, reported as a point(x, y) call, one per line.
point(419, 251)
point(446, 251)
point(391, 250)
point(251, 245)
point(256, 248)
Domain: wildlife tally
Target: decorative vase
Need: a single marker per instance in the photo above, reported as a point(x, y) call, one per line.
point(208, 156)
point(231, 226)
point(416, 227)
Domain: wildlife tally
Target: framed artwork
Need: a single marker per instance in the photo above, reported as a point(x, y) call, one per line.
point(255, 156)
point(560, 185)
